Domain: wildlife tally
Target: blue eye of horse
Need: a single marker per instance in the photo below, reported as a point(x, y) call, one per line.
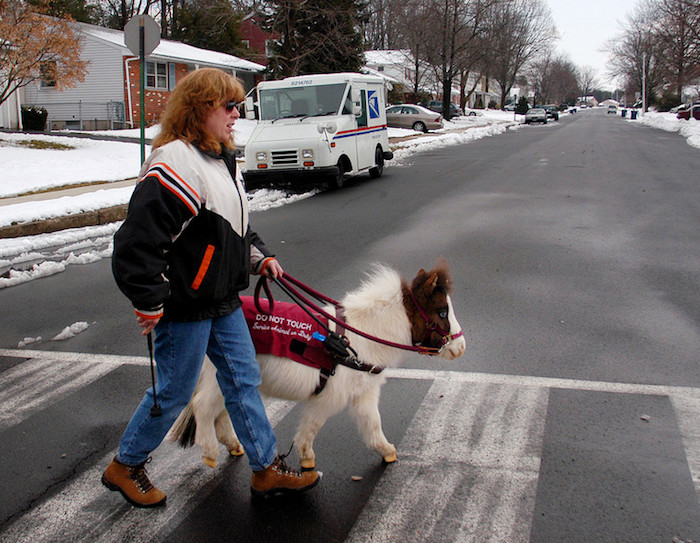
point(443, 314)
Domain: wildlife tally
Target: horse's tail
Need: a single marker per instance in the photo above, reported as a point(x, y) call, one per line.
point(184, 428)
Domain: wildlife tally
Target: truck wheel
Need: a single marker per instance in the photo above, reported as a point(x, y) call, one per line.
point(337, 180)
point(378, 170)
point(419, 127)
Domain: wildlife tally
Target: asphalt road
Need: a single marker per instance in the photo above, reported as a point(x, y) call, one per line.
point(573, 416)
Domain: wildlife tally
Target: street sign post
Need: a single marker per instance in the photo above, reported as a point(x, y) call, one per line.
point(142, 36)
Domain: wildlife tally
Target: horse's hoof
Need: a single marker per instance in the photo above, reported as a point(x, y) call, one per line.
point(308, 464)
point(236, 451)
point(389, 458)
point(211, 462)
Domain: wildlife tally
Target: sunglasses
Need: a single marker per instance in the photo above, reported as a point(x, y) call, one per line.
point(231, 105)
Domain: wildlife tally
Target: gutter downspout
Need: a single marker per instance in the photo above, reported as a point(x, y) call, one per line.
point(18, 102)
point(128, 89)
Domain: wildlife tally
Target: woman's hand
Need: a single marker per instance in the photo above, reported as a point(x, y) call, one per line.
point(147, 324)
point(273, 269)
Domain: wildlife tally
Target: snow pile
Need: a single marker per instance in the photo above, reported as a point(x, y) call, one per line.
point(689, 129)
point(53, 252)
point(408, 148)
point(28, 341)
point(71, 331)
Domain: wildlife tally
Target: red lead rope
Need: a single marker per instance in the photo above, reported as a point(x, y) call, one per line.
point(285, 283)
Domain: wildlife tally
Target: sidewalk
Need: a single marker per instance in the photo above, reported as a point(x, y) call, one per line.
point(76, 220)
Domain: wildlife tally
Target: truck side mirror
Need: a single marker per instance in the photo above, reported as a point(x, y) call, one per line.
point(250, 108)
point(356, 102)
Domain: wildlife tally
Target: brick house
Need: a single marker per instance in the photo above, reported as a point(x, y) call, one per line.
point(257, 41)
point(109, 96)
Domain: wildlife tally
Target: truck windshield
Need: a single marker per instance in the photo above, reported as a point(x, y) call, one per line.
point(317, 100)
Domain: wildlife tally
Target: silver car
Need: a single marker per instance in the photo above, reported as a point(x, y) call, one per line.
point(412, 116)
point(536, 115)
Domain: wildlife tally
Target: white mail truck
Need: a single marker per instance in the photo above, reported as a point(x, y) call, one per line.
point(316, 129)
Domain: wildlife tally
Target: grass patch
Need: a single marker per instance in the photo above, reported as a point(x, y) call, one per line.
point(40, 144)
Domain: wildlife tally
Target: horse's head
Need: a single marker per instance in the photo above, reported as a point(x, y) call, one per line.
point(429, 308)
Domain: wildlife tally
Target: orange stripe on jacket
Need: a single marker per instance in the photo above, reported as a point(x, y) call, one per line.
point(180, 179)
point(176, 192)
point(203, 267)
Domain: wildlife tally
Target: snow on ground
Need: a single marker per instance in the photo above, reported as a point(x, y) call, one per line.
point(25, 170)
point(668, 122)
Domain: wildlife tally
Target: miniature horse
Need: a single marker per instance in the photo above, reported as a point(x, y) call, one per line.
point(386, 307)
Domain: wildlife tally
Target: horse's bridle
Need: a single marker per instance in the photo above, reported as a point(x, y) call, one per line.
point(430, 327)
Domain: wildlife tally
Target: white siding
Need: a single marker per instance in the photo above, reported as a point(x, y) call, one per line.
point(90, 99)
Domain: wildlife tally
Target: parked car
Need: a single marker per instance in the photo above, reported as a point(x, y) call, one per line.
point(693, 111)
point(469, 112)
point(552, 111)
point(677, 108)
point(510, 107)
point(436, 105)
point(612, 108)
point(536, 115)
point(418, 118)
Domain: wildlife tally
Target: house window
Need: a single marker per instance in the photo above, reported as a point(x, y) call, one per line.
point(270, 48)
point(171, 73)
point(157, 75)
point(380, 68)
point(47, 72)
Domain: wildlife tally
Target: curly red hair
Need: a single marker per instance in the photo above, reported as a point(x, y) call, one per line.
point(195, 96)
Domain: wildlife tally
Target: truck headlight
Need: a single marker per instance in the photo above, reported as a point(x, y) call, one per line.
point(307, 153)
point(261, 156)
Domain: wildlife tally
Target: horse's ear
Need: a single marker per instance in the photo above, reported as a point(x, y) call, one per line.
point(434, 278)
point(425, 281)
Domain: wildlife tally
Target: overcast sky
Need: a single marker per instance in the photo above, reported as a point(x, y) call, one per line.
point(584, 27)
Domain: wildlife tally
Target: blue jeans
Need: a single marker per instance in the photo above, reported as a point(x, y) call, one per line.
point(179, 350)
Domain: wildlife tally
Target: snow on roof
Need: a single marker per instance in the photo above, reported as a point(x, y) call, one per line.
point(388, 56)
point(174, 50)
point(370, 71)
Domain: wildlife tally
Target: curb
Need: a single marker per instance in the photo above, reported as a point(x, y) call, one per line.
point(77, 220)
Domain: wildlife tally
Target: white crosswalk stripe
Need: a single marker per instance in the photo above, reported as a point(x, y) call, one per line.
point(472, 443)
point(473, 447)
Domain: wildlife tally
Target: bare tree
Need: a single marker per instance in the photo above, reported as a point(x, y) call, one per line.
point(36, 48)
point(452, 43)
point(676, 29)
point(518, 31)
point(414, 38)
point(554, 79)
point(382, 27)
point(118, 12)
point(587, 80)
point(636, 54)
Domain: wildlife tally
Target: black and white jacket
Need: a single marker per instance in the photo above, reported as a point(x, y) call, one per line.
point(185, 250)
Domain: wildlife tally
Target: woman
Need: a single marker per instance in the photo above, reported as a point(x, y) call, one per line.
point(183, 254)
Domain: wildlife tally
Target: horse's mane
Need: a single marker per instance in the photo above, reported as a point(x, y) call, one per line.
point(380, 284)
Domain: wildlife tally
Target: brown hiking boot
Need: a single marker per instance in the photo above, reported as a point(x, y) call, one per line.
point(133, 483)
point(280, 479)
